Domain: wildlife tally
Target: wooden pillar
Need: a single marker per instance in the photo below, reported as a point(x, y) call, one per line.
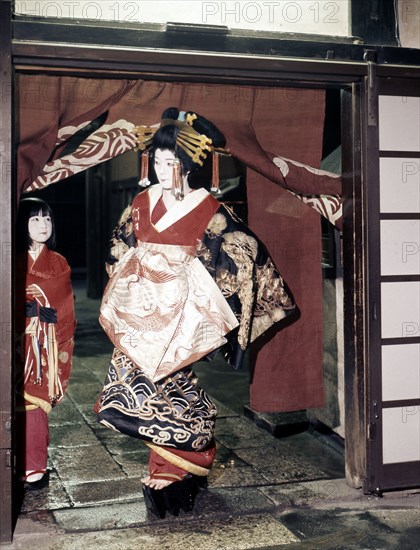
point(6, 217)
point(354, 292)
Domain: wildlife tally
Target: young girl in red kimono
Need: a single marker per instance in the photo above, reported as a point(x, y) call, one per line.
point(45, 320)
point(188, 278)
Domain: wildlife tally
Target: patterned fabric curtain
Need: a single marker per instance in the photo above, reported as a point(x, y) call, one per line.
point(63, 100)
point(101, 145)
point(56, 112)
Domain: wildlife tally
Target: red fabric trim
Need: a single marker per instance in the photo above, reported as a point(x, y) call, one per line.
point(158, 465)
point(187, 231)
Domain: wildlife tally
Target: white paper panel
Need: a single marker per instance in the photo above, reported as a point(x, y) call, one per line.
point(401, 434)
point(301, 16)
point(401, 372)
point(400, 309)
point(399, 184)
point(400, 247)
point(399, 123)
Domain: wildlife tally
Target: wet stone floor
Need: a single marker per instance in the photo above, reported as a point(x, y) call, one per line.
point(263, 491)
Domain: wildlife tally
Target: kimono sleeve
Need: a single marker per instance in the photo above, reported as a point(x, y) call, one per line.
point(248, 279)
point(122, 239)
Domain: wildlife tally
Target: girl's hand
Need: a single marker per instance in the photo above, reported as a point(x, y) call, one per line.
point(33, 291)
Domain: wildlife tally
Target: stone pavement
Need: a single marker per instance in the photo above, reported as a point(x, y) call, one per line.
point(263, 492)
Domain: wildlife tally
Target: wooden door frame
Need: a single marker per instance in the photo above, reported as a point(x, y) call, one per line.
point(6, 216)
point(104, 61)
point(354, 260)
point(288, 72)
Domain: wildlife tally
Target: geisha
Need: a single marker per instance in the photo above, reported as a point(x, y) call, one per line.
point(45, 319)
point(188, 279)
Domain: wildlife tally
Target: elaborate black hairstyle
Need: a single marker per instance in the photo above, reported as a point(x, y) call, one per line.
point(29, 207)
point(165, 138)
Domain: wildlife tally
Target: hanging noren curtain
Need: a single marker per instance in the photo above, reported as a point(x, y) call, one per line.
point(54, 109)
point(276, 132)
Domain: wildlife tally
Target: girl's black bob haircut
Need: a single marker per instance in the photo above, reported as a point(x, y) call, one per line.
point(29, 207)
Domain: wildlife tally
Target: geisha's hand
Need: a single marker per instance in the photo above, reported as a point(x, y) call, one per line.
point(33, 291)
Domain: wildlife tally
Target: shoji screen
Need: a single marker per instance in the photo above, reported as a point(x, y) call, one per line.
point(399, 177)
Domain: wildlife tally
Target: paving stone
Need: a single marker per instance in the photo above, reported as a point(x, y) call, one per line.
point(234, 500)
point(117, 442)
point(233, 533)
point(100, 370)
point(226, 456)
point(91, 329)
point(72, 435)
point(311, 493)
point(90, 340)
point(238, 432)
point(79, 373)
point(65, 413)
point(85, 394)
point(82, 464)
point(337, 528)
point(113, 516)
point(90, 417)
point(399, 520)
point(314, 530)
point(234, 476)
point(134, 464)
point(286, 496)
point(229, 470)
point(35, 530)
point(313, 450)
point(334, 489)
point(223, 411)
point(279, 466)
point(96, 364)
point(104, 492)
point(52, 497)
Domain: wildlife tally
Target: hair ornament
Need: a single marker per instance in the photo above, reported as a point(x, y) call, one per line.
point(144, 173)
point(177, 184)
point(215, 174)
point(189, 119)
point(144, 136)
point(194, 144)
point(144, 182)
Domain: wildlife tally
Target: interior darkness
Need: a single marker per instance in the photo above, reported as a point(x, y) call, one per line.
point(332, 125)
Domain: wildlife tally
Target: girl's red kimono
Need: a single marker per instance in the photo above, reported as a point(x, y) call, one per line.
point(47, 326)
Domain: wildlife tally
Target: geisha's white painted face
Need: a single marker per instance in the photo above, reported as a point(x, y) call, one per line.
point(39, 228)
point(164, 164)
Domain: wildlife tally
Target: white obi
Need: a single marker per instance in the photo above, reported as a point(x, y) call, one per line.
point(163, 310)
